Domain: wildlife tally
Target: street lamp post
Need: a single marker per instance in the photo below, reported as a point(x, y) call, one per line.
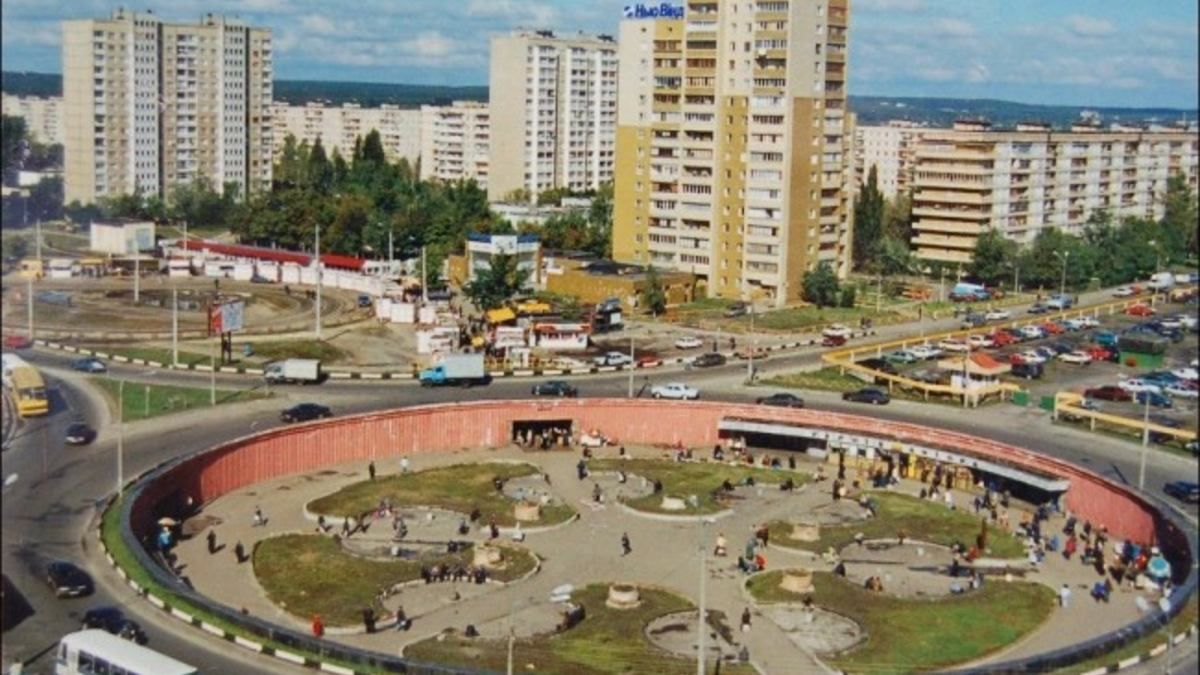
point(120, 436)
point(1145, 444)
point(317, 259)
point(1064, 257)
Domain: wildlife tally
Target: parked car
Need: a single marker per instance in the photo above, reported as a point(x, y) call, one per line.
point(782, 400)
point(558, 388)
point(708, 360)
point(1139, 309)
point(1073, 324)
point(867, 395)
point(1045, 351)
point(364, 300)
point(973, 319)
point(1032, 332)
point(1135, 385)
point(837, 330)
point(17, 342)
point(1088, 321)
point(833, 341)
point(1183, 490)
point(1109, 392)
point(689, 342)
point(1188, 373)
point(1079, 358)
point(1028, 356)
point(79, 434)
point(880, 364)
point(114, 621)
point(675, 390)
point(1001, 338)
point(1053, 328)
point(67, 580)
point(613, 359)
point(980, 342)
point(902, 356)
point(1028, 371)
point(998, 315)
point(90, 364)
point(737, 309)
point(925, 352)
point(1182, 390)
point(1099, 353)
point(304, 412)
point(757, 353)
point(954, 346)
point(1156, 399)
point(1039, 308)
point(1187, 321)
point(1124, 292)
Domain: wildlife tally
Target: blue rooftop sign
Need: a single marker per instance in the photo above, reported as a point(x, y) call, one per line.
point(661, 11)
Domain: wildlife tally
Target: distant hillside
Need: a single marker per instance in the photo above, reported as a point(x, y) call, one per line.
point(871, 109)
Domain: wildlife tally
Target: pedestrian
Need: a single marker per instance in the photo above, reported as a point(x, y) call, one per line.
point(321, 523)
point(581, 469)
point(626, 547)
point(318, 626)
point(371, 469)
point(212, 542)
point(403, 465)
point(746, 620)
point(494, 529)
point(345, 527)
point(239, 552)
point(1064, 596)
point(597, 493)
point(368, 616)
point(259, 520)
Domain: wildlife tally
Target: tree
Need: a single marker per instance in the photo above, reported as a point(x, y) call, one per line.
point(654, 298)
point(372, 149)
point(319, 171)
point(46, 199)
point(868, 219)
point(13, 145)
point(890, 256)
point(993, 259)
point(821, 286)
point(14, 247)
point(1180, 220)
point(499, 282)
point(897, 218)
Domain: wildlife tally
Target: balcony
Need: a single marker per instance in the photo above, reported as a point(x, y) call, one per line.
point(948, 226)
point(933, 240)
point(968, 198)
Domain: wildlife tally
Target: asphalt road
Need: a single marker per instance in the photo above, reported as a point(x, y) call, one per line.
point(51, 507)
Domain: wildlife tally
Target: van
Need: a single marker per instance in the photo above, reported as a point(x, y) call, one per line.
point(1029, 371)
point(1163, 281)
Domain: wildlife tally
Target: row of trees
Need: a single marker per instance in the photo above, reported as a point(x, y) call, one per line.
point(18, 151)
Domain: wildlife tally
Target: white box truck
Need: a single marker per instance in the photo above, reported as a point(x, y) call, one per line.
point(293, 371)
point(1163, 281)
point(461, 369)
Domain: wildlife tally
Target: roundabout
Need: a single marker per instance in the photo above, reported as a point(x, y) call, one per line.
point(293, 474)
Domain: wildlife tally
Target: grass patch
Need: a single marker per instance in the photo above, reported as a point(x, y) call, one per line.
point(794, 318)
point(922, 520)
point(310, 574)
point(702, 479)
point(274, 350)
point(460, 488)
point(143, 401)
point(906, 635)
point(1142, 645)
point(606, 642)
point(159, 354)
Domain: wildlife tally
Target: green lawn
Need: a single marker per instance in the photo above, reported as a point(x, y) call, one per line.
point(606, 642)
point(143, 401)
point(922, 520)
point(905, 635)
point(274, 350)
point(309, 574)
point(460, 488)
point(794, 318)
point(681, 479)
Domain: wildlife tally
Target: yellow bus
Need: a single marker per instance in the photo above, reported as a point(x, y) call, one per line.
point(27, 387)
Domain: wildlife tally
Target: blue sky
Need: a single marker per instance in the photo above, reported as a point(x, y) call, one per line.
point(1094, 52)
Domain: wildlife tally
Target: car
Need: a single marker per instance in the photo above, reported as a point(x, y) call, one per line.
point(17, 342)
point(613, 359)
point(1088, 322)
point(79, 434)
point(837, 330)
point(1108, 392)
point(997, 315)
point(980, 342)
point(925, 352)
point(114, 621)
point(973, 319)
point(1160, 377)
point(954, 346)
point(781, 400)
point(708, 360)
point(737, 309)
point(756, 353)
point(364, 300)
point(89, 365)
point(1155, 399)
point(1053, 328)
point(1134, 385)
point(1028, 356)
point(882, 365)
point(1002, 338)
point(1187, 321)
point(304, 412)
point(1170, 323)
point(558, 388)
point(258, 279)
point(1074, 324)
point(689, 342)
point(1182, 390)
point(902, 356)
point(867, 395)
point(1077, 357)
point(1188, 373)
point(1062, 347)
point(1163, 421)
point(1045, 351)
point(1099, 353)
point(675, 390)
point(1183, 490)
point(1032, 332)
point(67, 580)
point(1039, 308)
point(1124, 292)
point(1028, 371)
point(833, 341)
point(1139, 309)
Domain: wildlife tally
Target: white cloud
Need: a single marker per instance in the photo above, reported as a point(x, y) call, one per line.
point(954, 28)
point(889, 6)
point(430, 44)
point(1089, 26)
point(319, 25)
point(515, 12)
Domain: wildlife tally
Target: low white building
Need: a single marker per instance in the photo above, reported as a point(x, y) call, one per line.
point(121, 236)
point(526, 248)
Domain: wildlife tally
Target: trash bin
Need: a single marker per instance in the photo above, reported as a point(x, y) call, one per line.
point(1020, 398)
point(1047, 403)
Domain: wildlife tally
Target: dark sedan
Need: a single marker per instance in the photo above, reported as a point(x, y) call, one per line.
point(114, 621)
point(555, 388)
point(1183, 490)
point(867, 395)
point(89, 365)
point(709, 360)
point(1108, 393)
point(79, 434)
point(305, 412)
point(782, 401)
point(67, 580)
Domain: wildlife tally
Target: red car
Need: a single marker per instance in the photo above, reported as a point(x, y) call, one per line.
point(1099, 353)
point(1016, 359)
point(1108, 392)
point(833, 341)
point(17, 342)
point(1052, 328)
point(1002, 338)
point(1140, 310)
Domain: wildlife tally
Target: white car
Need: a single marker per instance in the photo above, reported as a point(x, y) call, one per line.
point(925, 352)
point(997, 315)
point(837, 330)
point(1078, 358)
point(1187, 321)
point(980, 342)
point(1181, 391)
point(1032, 332)
point(1123, 292)
point(1185, 373)
point(613, 359)
point(689, 342)
point(1136, 386)
point(1074, 324)
point(954, 346)
point(1088, 322)
point(1032, 357)
point(902, 356)
point(675, 390)
point(1168, 322)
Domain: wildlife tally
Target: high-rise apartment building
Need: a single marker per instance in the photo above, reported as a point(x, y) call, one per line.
point(734, 145)
point(970, 179)
point(454, 142)
point(889, 150)
point(149, 105)
point(339, 127)
point(557, 97)
point(43, 116)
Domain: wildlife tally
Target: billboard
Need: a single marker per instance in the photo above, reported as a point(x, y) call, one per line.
point(661, 11)
point(225, 315)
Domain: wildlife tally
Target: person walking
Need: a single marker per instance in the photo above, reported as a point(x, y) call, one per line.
point(212, 541)
point(403, 465)
point(371, 469)
point(239, 552)
point(626, 547)
point(1064, 596)
point(259, 519)
point(318, 626)
point(746, 620)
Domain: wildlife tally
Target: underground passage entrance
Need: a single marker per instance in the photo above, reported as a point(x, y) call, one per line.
point(542, 434)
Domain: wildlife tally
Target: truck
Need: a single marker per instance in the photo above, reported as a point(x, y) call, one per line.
point(293, 371)
point(1163, 281)
point(964, 292)
point(461, 369)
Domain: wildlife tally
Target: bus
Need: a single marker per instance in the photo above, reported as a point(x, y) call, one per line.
point(25, 383)
point(93, 652)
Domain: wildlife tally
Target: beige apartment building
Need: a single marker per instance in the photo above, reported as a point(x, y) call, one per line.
point(734, 145)
point(454, 142)
point(888, 148)
point(971, 178)
point(43, 116)
point(557, 97)
point(339, 126)
point(149, 105)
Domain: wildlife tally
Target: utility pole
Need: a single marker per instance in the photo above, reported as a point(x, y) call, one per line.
point(391, 252)
point(212, 382)
point(137, 276)
point(753, 346)
point(39, 241)
point(1145, 444)
point(175, 326)
point(631, 364)
point(185, 238)
point(700, 630)
point(120, 436)
point(29, 298)
point(317, 259)
point(425, 284)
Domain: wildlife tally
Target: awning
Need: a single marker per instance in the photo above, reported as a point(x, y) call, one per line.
point(1039, 480)
point(501, 315)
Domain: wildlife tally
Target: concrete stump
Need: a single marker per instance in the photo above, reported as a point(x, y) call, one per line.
point(806, 531)
point(623, 596)
point(797, 581)
point(488, 556)
point(527, 512)
point(674, 504)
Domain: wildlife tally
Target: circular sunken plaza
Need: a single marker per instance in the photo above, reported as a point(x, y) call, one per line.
point(440, 532)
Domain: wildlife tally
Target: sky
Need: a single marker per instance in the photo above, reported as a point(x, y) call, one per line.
point(1094, 52)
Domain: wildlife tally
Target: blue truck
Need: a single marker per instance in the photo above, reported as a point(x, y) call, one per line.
point(455, 369)
point(964, 292)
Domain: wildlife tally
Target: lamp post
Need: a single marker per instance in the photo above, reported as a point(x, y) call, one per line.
point(120, 436)
point(1064, 256)
point(1016, 268)
point(317, 260)
point(1145, 443)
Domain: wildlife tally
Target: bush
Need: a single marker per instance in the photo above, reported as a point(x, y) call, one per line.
point(848, 296)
